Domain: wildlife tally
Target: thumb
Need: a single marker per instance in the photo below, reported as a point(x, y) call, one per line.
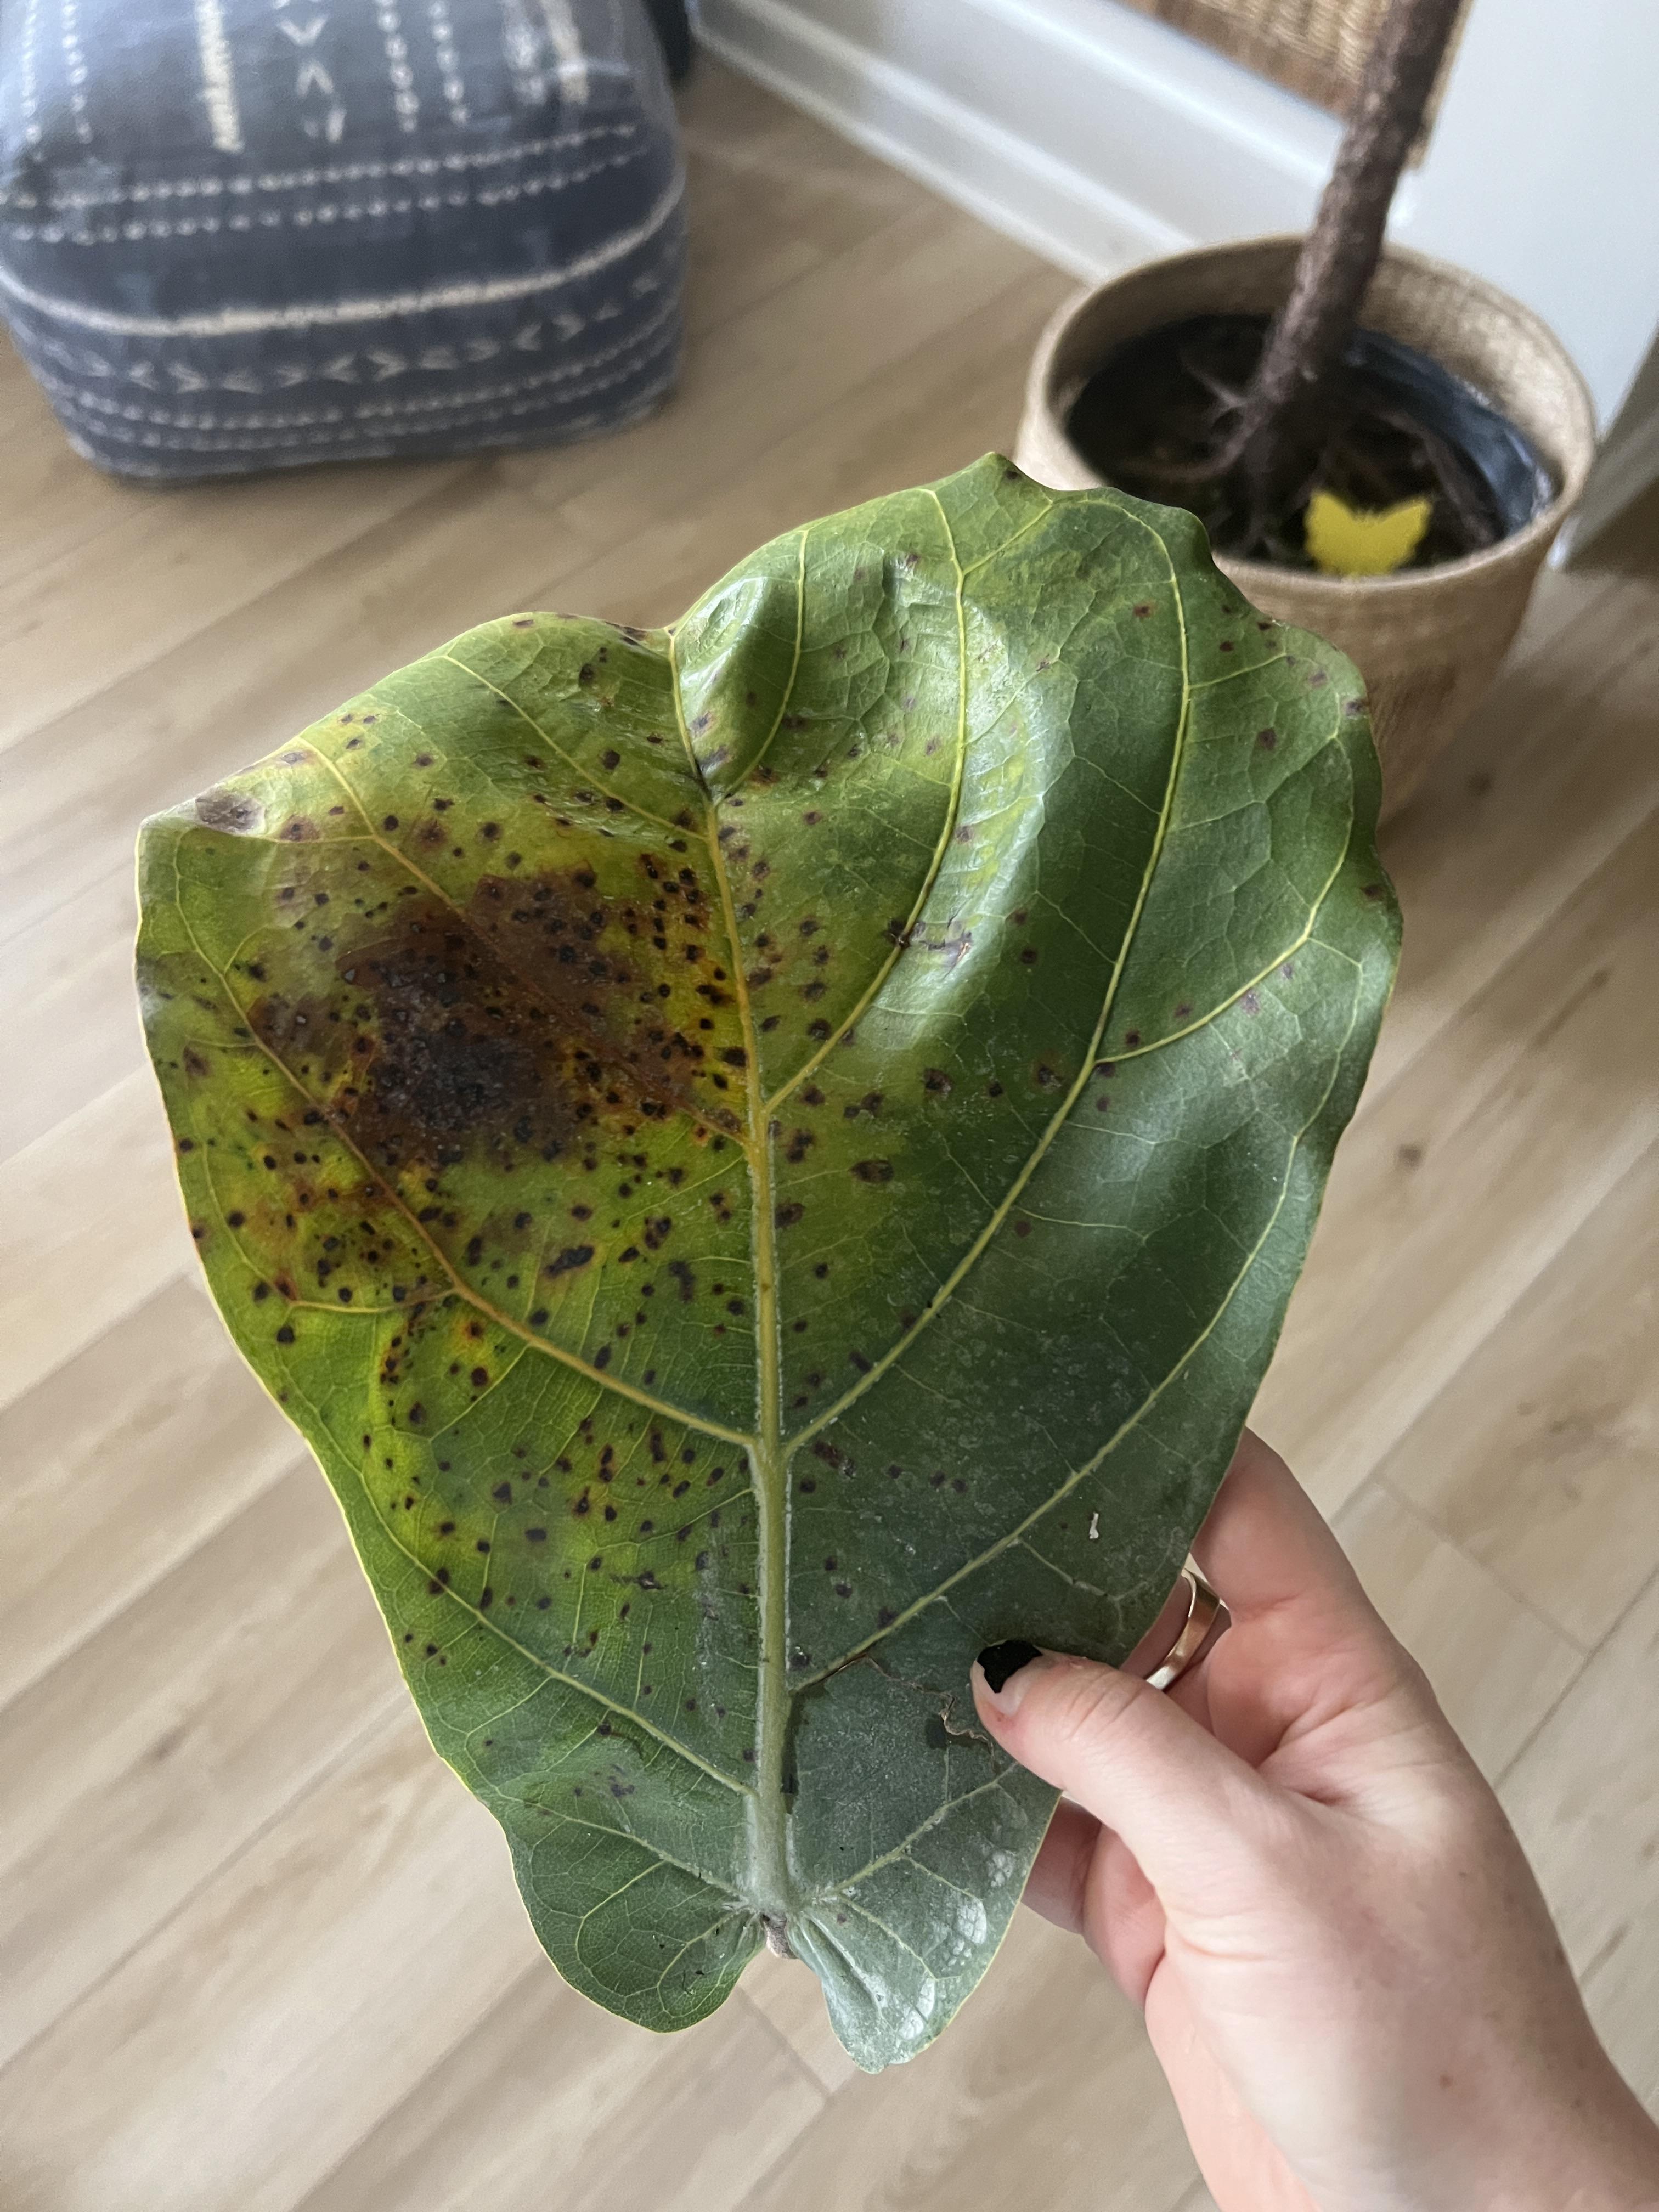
point(1195, 1816)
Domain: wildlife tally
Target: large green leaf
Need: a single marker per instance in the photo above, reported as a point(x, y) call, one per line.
point(768, 1156)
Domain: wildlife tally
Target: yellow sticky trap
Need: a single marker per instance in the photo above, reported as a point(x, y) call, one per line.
point(1347, 541)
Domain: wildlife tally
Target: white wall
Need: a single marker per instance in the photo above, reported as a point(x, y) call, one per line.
point(1103, 138)
point(1543, 172)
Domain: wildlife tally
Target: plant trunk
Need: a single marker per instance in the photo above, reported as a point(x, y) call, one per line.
point(1282, 425)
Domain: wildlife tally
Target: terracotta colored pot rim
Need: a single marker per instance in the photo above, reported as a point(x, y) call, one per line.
point(1572, 462)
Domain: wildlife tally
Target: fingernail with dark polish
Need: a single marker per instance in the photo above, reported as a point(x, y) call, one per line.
point(998, 1661)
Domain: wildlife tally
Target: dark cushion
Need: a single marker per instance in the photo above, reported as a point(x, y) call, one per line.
point(244, 234)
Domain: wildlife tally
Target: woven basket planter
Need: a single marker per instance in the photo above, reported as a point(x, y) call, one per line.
point(1428, 641)
point(1314, 47)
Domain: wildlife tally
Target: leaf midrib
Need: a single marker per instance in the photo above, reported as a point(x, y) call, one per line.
point(769, 1811)
point(941, 1297)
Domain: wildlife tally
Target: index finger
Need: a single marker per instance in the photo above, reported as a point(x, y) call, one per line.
point(1266, 1546)
point(1305, 1640)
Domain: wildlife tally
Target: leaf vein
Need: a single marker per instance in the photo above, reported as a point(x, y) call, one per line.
point(952, 809)
point(1131, 1421)
point(795, 668)
point(942, 1296)
point(640, 813)
point(459, 1288)
point(493, 1628)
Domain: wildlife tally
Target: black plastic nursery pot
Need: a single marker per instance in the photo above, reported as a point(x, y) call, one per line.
point(1428, 639)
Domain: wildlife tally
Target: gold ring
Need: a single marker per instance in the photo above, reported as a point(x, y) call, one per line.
point(1204, 1606)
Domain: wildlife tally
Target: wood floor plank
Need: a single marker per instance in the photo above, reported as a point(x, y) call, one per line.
point(859, 317)
point(162, 1745)
point(790, 174)
point(71, 800)
point(772, 194)
point(1043, 2097)
point(1496, 1666)
point(165, 569)
point(550, 2101)
point(93, 1227)
point(1585, 1796)
point(789, 1996)
point(1540, 1457)
point(920, 422)
point(1456, 1193)
point(1558, 767)
point(68, 1010)
point(238, 2055)
point(117, 1466)
point(21, 401)
point(56, 501)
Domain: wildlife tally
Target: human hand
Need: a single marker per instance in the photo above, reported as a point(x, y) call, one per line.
point(1291, 1863)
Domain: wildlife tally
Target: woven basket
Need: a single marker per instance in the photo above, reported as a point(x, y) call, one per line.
point(1428, 641)
point(1314, 47)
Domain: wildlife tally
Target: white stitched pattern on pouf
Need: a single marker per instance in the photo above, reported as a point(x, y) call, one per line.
point(295, 196)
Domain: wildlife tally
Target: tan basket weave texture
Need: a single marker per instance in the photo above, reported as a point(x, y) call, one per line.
point(1314, 47)
point(1428, 641)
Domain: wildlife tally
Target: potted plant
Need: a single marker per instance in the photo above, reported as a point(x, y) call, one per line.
point(1382, 447)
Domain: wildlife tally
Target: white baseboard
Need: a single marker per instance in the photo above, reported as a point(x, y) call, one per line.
point(1096, 136)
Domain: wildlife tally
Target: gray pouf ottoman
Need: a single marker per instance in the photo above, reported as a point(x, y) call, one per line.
point(239, 234)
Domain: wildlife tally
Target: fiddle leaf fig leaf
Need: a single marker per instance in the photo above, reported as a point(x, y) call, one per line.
point(765, 1157)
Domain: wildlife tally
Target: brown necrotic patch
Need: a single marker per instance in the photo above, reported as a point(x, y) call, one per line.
point(237, 812)
point(525, 1026)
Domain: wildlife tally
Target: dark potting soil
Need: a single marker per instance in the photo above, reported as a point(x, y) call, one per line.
point(1398, 425)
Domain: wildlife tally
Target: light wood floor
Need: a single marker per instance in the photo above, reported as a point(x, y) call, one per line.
point(259, 1951)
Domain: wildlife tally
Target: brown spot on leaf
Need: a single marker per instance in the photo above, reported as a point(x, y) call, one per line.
point(517, 1027)
point(237, 812)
